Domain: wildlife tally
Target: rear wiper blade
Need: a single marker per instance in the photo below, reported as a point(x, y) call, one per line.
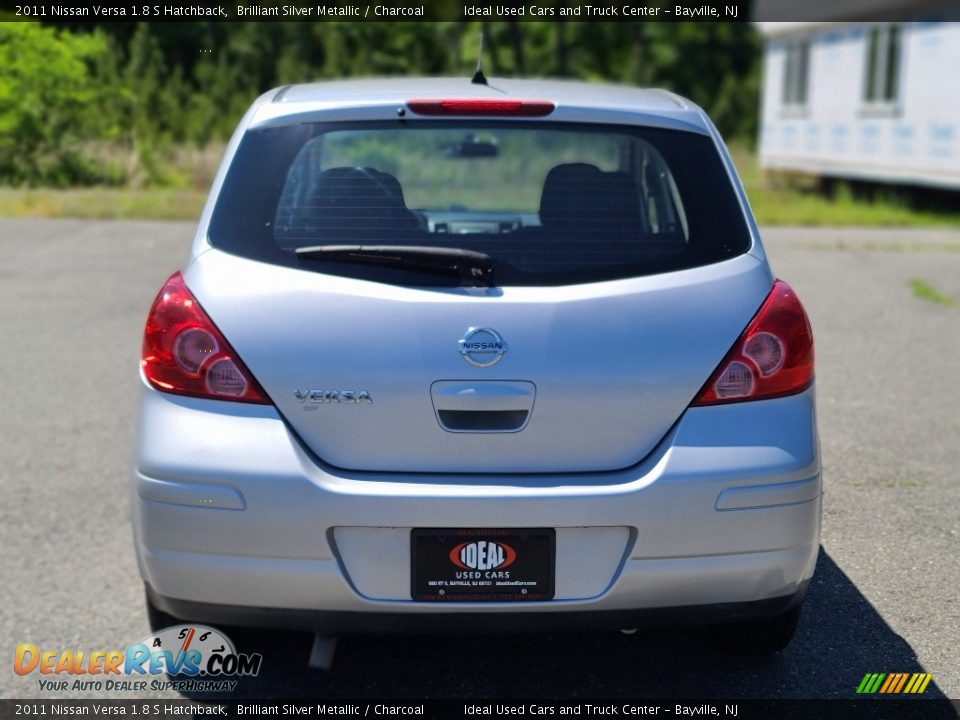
point(466, 264)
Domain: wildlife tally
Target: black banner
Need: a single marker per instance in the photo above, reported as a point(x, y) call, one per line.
point(875, 709)
point(73, 11)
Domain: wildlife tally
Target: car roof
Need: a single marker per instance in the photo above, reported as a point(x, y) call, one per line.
point(573, 99)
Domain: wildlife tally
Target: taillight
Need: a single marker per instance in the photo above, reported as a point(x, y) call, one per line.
point(773, 357)
point(482, 106)
point(184, 353)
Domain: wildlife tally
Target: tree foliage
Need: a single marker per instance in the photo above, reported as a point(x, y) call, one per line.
point(146, 88)
point(47, 94)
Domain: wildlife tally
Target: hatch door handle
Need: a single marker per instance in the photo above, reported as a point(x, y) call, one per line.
point(483, 405)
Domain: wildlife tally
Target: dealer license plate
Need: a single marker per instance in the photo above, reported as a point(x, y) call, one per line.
point(486, 564)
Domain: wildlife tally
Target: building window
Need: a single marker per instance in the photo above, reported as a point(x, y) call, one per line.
point(882, 81)
point(796, 73)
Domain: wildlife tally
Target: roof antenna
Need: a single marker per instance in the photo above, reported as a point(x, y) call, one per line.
point(478, 77)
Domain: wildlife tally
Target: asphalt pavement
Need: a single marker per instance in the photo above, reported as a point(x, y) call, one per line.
point(73, 298)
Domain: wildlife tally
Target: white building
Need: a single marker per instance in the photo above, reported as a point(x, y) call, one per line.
point(864, 99)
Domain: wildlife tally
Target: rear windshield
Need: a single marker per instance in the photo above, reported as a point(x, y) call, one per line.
point(550, 204)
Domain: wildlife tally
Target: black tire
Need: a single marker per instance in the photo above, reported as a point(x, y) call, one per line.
point(766, 635)
point(157, 618)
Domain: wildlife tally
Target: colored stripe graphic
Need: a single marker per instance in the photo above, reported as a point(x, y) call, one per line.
point(894, 683)
point(918, 683)
point(903, 680)
point(870, 683)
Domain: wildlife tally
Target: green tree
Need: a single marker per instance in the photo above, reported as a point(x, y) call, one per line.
point(149, 88)
point(49, 104)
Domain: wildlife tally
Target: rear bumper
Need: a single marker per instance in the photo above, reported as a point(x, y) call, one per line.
point(235, 522)
point(520, 621)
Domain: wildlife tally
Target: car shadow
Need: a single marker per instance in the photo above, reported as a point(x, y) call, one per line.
point(841, 638)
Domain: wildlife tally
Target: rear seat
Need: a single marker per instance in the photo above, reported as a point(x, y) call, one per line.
point(593, 214)
point(349, 205)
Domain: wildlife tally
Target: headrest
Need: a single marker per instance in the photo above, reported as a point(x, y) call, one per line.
point(359, 189)
point(579, 197)
point(564, 192)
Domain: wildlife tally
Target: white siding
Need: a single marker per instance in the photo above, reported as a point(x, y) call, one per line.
point(917, 141)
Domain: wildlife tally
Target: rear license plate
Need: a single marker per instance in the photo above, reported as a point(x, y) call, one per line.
point(492, 564)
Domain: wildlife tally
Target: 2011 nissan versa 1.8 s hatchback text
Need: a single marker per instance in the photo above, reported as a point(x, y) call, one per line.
point(449, 355)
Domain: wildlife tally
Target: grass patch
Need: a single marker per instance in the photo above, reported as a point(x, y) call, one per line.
point(103, 204)
point(923, 291)
point(793, 202)
point(888, 247)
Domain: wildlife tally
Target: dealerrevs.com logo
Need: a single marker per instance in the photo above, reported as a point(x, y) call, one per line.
point(196, 658)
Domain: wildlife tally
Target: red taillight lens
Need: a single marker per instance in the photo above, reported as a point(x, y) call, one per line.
point(523, 108)
point(773, 357)
point(184, 353)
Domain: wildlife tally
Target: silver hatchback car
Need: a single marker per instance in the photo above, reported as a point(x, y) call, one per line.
point(452, 356)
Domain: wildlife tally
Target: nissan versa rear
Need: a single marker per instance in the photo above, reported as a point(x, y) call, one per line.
point(454, 356)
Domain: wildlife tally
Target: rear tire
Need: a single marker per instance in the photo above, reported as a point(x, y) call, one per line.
point(157, 618)
point(766, 635)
